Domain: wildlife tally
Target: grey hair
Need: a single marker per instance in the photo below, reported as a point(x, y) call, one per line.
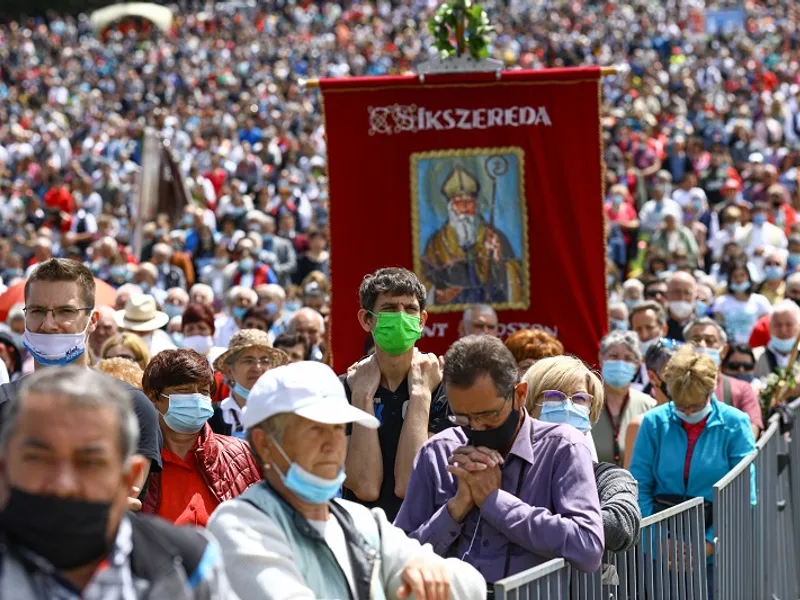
point(275, 426)
point(202, 288)
point(238, 290)
point(477, 355)
point(793, 278)
point(657, 356)
point(83, 388)
point(619, 306)
point(627, 338)
point(708, 321)
point(478, 309)
point(661, 315)
point(633, 284)
point(784, 307)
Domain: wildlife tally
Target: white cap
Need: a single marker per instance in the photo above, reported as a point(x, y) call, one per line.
point(307, 389)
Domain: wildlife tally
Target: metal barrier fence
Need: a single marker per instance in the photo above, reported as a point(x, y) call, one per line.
point(757, 542)
point(669, 563)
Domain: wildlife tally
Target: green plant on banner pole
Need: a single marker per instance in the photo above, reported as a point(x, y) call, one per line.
point(461, 26)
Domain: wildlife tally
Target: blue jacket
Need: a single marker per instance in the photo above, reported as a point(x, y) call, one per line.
point(660, 453)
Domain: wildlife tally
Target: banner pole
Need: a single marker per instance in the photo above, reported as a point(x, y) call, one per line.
point(312, 84)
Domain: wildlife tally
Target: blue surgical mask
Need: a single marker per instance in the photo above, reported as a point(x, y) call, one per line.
point(701, 308)
point(619, 325)
point(773, 272)
point(307, 486)
point(618, 373)
point(119, 272)
point(568, 413)
point(55, 349)
point(177, 339)
point(239, 312)
point(781, 345)
point(759, 219)
point(271, 308)
point(748, 377)
point(713, 353)
point(292, 306)
point(173, 310)
point(695, 417)
point(241, 391)
point(794, 260)
point(630, 303)
point(246, 265)
point(187, 413)
point(742, 286)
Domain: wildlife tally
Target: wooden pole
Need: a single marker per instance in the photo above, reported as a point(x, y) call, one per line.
point(780, 389)
point(312, 84)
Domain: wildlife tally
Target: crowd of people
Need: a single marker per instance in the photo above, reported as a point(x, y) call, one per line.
point(190, 441)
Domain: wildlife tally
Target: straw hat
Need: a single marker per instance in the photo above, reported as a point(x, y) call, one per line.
point(252, 338)
point(141, 314)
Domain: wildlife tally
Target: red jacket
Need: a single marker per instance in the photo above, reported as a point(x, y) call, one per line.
point(227, 468)
point(259, 276)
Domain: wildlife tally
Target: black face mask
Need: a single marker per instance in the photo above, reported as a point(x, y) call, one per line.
point(748, 377)
point(67, 533)
point(498, 438)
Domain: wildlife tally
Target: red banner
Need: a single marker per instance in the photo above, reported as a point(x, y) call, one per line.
point(489, 188)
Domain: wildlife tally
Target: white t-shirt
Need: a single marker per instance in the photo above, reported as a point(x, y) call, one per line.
point(739, 317)
point(333, 534)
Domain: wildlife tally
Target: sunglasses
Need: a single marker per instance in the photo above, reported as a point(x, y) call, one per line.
point(740, 366)
point(654, 293)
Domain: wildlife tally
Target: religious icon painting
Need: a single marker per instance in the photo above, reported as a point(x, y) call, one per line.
point(470, 228)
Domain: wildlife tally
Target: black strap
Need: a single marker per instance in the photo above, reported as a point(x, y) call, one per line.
point(158, 544)
point(771, 360)
point(727, 395)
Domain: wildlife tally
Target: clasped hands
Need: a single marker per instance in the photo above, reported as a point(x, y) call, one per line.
point(477, 470)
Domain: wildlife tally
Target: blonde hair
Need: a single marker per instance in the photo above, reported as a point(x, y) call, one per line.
point(133, 343)
point(564, 374)
point(690, 377)
point(122, 369)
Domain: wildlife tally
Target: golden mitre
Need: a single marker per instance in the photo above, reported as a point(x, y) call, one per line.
point(460, 183)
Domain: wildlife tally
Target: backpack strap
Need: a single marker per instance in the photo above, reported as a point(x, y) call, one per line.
point(727, 395)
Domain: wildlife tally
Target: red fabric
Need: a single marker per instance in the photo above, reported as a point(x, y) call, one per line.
point(760, 334)
point(222, 390)
point(372, 190)
point(693, 431)
point(789, 218)
point(224, 462)
point(60, 198)
point(185, 496)
point(259, 276)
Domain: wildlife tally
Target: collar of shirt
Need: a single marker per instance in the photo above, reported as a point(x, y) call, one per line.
point(522, 446)
point(231, 411)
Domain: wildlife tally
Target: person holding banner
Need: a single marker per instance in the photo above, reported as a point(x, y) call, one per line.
point(398, 385)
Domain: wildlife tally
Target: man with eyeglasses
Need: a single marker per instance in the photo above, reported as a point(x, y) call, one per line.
point(247, 358)
point(59, 318)
point(649, 321)
point(484, 491)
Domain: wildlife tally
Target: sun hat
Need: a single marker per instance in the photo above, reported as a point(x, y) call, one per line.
point(251, 338)
point(141, 314)
point(308, 389)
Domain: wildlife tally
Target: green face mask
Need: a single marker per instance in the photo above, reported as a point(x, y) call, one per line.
point(396, 332)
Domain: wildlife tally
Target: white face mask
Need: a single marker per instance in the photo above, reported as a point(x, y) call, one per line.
point(201, 344)
point(55, 349)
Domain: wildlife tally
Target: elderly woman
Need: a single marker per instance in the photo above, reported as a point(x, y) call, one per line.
point(685, 446)
point(201, 469)
point(128, 346)
point(122, 369)
point(620, 359)
point(562, 389)
point(530, 345)
point(247, 358)
point(655, 361)
point(197, 327)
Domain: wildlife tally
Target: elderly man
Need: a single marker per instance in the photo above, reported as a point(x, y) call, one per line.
point(649, 321)
point(124, 293)
point(176, 302)
point(106, 327)
point(169, 275)
point(277, 252)
point(760, 334)
point(478, 319)
point(632, 292)
point(289, 538)
point(67, 448)
point(200, 293)
point(492, 490)
point(398, 384)
point(273, 297)
point(618, 316)
point(774, 287)
point(710, 338)
point(784, 325)
point(310, 323)
point(238, 301)
point(681, 303)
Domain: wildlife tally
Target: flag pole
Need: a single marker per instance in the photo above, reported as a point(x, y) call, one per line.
point(780, 390)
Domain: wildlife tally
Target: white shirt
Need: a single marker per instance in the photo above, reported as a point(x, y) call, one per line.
point(232, 414)
point(333, 534)
point(226, 326)
point(3, 372)
point(652, 214)
point(739, 317)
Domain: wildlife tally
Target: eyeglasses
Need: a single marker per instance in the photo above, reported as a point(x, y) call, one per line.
point(252, 362)
point(486, 419)
point(558, 397)
point(739, 366)
point(62, 315)
point(654, 293)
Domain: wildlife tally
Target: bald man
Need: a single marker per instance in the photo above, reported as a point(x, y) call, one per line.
point(106, 327)
point(478, 319)
point(309, 323)
point(681, 303)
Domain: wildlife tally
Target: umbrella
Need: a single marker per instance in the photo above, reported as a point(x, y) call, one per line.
point(104, 295)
